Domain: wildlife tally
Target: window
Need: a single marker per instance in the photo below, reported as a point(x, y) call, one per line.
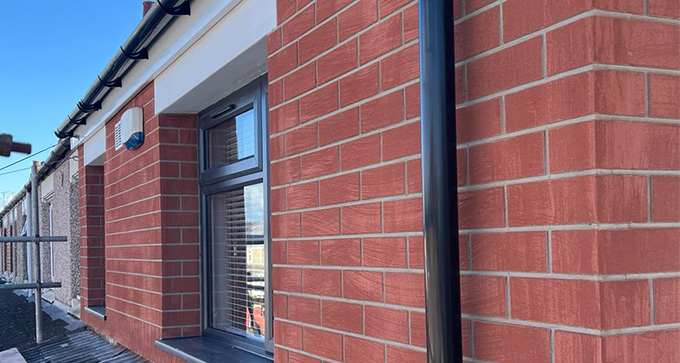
point(234, 190)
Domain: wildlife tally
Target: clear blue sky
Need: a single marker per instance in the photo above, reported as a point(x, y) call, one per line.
point(51, 53)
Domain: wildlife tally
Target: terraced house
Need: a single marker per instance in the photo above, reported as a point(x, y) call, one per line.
point(250, 182)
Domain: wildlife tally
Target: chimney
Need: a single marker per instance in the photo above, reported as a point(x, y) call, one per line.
point(147, 6)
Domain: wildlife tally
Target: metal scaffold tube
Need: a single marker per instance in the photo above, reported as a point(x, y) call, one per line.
point(35, 225)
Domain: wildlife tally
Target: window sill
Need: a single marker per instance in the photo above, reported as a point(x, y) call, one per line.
point(207, 349)
point(98, 311)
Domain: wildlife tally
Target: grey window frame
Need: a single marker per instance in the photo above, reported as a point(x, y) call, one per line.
point(248, 171)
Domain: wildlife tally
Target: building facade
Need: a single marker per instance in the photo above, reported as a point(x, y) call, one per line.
point(274, 208)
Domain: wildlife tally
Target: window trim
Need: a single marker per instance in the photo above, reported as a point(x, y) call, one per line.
point(241, 173)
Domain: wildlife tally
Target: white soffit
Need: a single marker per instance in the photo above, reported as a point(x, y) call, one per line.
point(175, 40)
point(94, 147)
point(228, 56)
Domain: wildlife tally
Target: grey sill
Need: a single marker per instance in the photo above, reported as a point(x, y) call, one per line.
point(208, 349)
point(97, 311)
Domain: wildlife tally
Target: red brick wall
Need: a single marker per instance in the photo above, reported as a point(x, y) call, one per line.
point(569, 179)
point(91, 214)
point(151, 233)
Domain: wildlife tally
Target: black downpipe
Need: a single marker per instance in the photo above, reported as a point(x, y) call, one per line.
point(440, 196)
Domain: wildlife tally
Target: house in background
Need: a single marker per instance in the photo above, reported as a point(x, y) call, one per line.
point(249, 182)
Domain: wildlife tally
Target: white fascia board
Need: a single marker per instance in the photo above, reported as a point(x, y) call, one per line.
point(178, 36)
point(231, 54)
point(95, 146)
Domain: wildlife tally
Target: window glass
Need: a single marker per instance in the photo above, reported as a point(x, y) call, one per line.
point(232, 140)
point(238, 260)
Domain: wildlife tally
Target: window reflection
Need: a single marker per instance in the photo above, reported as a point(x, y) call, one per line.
point(232, 140)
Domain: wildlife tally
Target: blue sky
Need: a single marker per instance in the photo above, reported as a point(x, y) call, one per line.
point(51, 53)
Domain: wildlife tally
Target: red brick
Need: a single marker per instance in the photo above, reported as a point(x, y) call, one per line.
point(620, 93)
point(414, 178)
point(339, 127)
point(360, 152)
point(400, 67)
point(276, 148)
point(481, 209)
point(483, 295)
point(280, 306)
point(658, 346)
point(320, 39)
point(402, 355)
point(667, 301)
point(321, 282)
point(303, 195)
point(339, 189)
point(283, 61)
point(570, 46)
point(473, 5)
point(301, 139)
point(513, 158)
point(294, 357)
point(382, 181)
point(387, 7)
point(320, 163)
point(536, 106)
point(405, 289)
point(573, 347)
point(284, 9)
point(288, 334)
point(384, 252)
point(418, 333)
point(285, 225)
point(403, 215)
point(361, 218)
point(323, 222)
point(274, 41)
point(284, 117)
point(279, 253)
point(401, 141)
point(511, 343)
point(410, 23)
point(569, 302)
point(510, 67)
point(383, 111)
point(319, 103)
point(341, 252)
point(275, 94)
point(380, 39)
point(300, 81)
point(522, 251)
point(389, 324)
point(603, 198)
point(338, 62)
point(477, 34)
point(412, 100)
point(359, 350)
point(286, 279)
point(359, 85)
point(284, 172)
point(298, 25)
point(573, 147)
point(325, 9)
point(665, 197)
point(664, 95)
point(616, 252)
point(636, 43)
point(356, 18)
point(304, 309)
point(362, 285)
point(667, 8)
point(522, 17)
point(323, 343)
point(625, 304)
point(478, 121)
point(342, 316)
point(303, 252)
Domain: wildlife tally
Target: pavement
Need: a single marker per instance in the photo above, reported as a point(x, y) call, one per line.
point(65, 338)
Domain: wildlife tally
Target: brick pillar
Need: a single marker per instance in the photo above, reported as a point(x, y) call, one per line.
point(91, 214)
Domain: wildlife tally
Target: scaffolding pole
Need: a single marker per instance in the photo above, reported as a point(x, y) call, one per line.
point(35, 226)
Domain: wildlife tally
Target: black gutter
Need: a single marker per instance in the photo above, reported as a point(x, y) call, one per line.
point(440, 196)
point(135, 48)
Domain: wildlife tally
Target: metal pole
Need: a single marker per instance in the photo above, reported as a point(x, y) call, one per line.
point(440, 197)
point(35, 226)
